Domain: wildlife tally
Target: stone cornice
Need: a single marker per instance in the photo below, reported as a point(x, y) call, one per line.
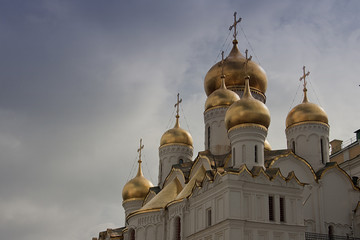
point(248, 126)
point(166, 149)
point(215, 113)
point(307, 125)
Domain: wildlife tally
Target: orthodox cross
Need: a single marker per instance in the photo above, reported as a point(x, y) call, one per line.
point(139, 150)
point(177, 104)
point(247, 59)
point(304, 76)
point(222, 63)
point(234, 25)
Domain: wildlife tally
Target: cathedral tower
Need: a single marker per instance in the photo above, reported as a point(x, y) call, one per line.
point(307, 131)
point(237, 68)
point(135, 190)
point(247, 122)
point(176, 147)
point(216, 105)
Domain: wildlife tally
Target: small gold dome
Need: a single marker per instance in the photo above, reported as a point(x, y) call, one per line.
point(306, 112)
point(221, 97)
point(137, 188)
point(234, 66)
point(247, 110)
point(176, 135)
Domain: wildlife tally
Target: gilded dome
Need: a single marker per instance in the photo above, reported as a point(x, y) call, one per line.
point(176, 135)
point(221, 97)
point(247, 110)
point(306, 112)
point(234, 66)
point(137, 188)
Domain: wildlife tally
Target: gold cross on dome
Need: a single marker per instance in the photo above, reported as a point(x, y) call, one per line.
point(304, 76)
point(139, 150)
point(234, 25)
point(177, 104)
point(247, 59)
point(222, 63)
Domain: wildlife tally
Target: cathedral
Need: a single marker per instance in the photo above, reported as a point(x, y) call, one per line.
point(239, 187)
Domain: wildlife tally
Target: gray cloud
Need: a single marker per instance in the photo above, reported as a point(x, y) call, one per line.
point(81, 82)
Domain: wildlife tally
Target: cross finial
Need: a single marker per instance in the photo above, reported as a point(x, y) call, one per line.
point(304, 77)
point(139, 150)
point(222, 71)
point(247, 59)
point(305, 74)
point(177, 105)
point(222, 63)
point(234, 26)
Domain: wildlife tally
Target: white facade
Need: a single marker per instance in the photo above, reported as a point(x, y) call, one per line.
point(171, 155)
point(311, 142)
point(247, 143)
point(216, 138)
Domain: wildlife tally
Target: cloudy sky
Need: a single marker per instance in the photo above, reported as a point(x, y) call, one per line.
point(82, 81)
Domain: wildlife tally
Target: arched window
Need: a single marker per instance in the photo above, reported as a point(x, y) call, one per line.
point(322, 151)
point(208, 137)
point(282, 209)
point(181, 161)
point(243, 153)
point(331, 232)
point(208, 217)
point(271, 208)
point(177, 228)
point(132, 234)
point(293, 146)
point(256, 153)
point(233, 154)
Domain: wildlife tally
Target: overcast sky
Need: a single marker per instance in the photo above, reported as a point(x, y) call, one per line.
point(82, 81)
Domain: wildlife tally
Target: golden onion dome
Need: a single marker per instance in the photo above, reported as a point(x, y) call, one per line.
point(234, 66)
point(221, 97)
point(247, 110)
point(267, 145)
point(176, 135)
point(137, 188)
point(306, 112)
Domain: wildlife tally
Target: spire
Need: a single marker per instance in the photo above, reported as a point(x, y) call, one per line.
point(304, 78)
point(247, 92)
point(222, 86)
point(247, 59)
point(234, 26)
point(177, 105)
point(139, 161)
point(222, 64)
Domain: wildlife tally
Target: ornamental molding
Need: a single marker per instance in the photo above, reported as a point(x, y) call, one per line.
point(184, 149)
point(307, 126)
point(248, 126)
point(176, 209)
point(215, 113)
point(150, 218)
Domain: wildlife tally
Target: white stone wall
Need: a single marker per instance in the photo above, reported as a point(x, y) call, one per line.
point(338, 202)
point(243, 140)
point(240, 210)
point(132, 205)
point(307, 138)
point(219, 141)
point(170, 155)
point(147, 226)
point(328, 201)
